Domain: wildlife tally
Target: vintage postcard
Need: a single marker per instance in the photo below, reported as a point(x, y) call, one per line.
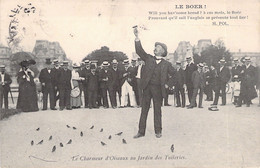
point(128, 83)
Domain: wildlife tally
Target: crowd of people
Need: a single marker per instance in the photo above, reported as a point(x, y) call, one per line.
point(120, 87)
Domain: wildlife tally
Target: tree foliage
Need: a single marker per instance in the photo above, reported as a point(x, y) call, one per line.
point(104, 54)
point(212, 54)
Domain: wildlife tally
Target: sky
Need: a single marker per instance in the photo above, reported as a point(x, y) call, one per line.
point(81, 26)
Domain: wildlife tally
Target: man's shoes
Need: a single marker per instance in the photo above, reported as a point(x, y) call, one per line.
point(121, 106)
point(200, 107)
point(53, 109)
point(167, 104)
point(183, 106)
point(222, 104)
point(69, 108)
point(178, 106)
point(138, 135)
point(238, 105)
point(61, 109)
point(159, 135)
point(44, 109)
point(190, 107)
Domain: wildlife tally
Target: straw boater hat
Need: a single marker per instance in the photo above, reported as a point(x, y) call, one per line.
point(236, 77)
point(55, 61)
point(75, 65)
point(222, 61)
point(86, 61)
point(200, 65)
point(188, 58)
point(178, 62)
point(65, 63)
point(235, 59)
point(105, 63)
point(247, 59)
point(126, 62)
point(163, 46)
point(2, 66)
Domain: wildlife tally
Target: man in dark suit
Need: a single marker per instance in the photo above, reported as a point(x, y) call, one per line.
point(248, 82)
point(114, 84)
point(5, 81)
point(153, 83)
point(138, 80)
point(179, 88)
point(222, 78)
point(92, 87)
point(46, 78)
point(104, 78)
point(190, 68)
point(236, 69)
point(198, 80)
point(55, 80)
point(65, 86)
point(209, 83)
point(84, 73)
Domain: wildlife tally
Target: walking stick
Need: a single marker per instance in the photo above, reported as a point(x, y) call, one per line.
point(12, 96)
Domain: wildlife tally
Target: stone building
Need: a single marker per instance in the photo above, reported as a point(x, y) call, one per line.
point(44, 49)
point(5, 53)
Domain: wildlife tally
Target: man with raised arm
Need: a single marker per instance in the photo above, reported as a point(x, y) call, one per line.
point(154, 84)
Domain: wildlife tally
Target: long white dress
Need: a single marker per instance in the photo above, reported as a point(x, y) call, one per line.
point(75, 101)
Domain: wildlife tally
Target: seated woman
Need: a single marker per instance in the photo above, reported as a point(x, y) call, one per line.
point(27, 96)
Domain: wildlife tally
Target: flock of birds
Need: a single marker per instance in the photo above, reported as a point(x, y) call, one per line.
point(81, 134)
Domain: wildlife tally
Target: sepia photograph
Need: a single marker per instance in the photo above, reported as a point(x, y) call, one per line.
point(129, 84)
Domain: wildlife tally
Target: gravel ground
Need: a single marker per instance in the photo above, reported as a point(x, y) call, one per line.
point(229, 137)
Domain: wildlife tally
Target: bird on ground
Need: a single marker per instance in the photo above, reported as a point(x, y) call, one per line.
point(68, 126)
point(81, 133)
point(50, 138)
point(101, 130)
point(172, 148)
point(38, 129)
point(92, 127)
point(40, 142)
point(74, 128)
point(32, 143)
point(54, 148)
point(120, 133)
point(61, 145)
point(124, 141)
point(103, 144)
point(69, 141)
point(109, 137)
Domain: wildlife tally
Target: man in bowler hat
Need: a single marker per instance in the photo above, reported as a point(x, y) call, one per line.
point(154, 84)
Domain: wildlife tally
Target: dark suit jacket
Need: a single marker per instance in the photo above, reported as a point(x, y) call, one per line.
point(7, 79)
point(236, 70)
point(92, 81)
point(105, 75)
point(188, 73)
point(84, 73)
point(224, 75)
point(150, 62)
point(65, 79)
point(46, 77)
point(122, 79)
point(56, 74)
point(198, 79)
point(115, 83)
point(180, 77)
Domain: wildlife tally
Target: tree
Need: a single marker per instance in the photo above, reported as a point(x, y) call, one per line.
point(104, 54)
point(212, 54)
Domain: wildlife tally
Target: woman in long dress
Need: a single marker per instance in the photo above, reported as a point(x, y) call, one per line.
point(75, 99)
point(27, 96)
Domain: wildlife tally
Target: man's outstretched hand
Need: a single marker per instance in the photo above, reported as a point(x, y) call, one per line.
point(136, 33)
